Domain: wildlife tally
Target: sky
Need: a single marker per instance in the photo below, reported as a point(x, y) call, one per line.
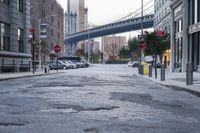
point(105, 11)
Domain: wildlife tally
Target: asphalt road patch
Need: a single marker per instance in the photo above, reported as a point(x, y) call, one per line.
point(80, 108)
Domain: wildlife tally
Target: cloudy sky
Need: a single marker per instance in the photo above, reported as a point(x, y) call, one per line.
point(105, 11)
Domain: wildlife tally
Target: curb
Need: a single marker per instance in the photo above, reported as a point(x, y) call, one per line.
point(174, 87)
point(26, 76)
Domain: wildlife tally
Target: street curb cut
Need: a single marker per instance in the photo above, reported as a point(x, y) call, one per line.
point(26, 76)
point(174, 87)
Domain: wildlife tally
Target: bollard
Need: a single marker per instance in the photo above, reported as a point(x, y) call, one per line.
point(162, 76)
point(150, 70)
point(142, 69)
point(189, 74)
point(139, 71)
point(46, 69)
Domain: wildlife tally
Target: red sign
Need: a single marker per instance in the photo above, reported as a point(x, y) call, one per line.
point(160, 33)
point(57, 48)
point(31, 30)
point(142, 44)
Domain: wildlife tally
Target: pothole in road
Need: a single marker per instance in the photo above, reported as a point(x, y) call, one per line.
point(6, 124)
point(91, 130)
point(80, 108)
point(145, 99)
point(6, 92)
point(57, 84)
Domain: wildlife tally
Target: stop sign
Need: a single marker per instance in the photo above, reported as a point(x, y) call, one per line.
point(142, 44)
point(57, 48)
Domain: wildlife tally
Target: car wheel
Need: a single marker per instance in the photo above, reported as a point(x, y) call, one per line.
point(64, 67)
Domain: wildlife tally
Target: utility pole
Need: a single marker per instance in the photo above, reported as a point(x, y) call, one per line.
point(142, 30)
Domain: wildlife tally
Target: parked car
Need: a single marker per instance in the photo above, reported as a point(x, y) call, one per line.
point(133, 63)
point(72, 65)
point(81, 63)
point(61, 65)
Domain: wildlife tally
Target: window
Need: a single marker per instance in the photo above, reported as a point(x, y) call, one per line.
point(59, 24)
point(58, 35)
point(5, 1)
point(51, 6)
point(43, 13)
point(20, 40)
point(195, 11)
point(4, 37)
point(52, 33)
point(52, 19)
point(20, 5)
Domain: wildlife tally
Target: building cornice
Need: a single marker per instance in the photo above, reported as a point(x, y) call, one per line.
point(14, 54)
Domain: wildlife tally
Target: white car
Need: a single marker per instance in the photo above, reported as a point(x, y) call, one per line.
point(133, 63)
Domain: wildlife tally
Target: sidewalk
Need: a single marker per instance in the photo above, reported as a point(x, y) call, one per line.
point(175, 80)
point(7, 76)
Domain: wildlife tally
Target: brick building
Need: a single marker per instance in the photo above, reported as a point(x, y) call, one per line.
point(51, 14)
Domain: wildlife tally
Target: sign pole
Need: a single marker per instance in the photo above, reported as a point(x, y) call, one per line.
point(57, 62)
point(57, 49)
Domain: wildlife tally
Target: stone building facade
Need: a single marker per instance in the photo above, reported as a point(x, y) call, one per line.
point(162, 13)
point(185, 42)
point(15, 49)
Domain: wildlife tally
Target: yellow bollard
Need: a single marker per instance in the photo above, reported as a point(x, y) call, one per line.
point(145, 68)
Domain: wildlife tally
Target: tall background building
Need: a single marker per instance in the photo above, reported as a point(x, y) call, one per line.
point(15, 49)
point(162, 14)
point(75, 21)
point(111, 45)
point(50, 15)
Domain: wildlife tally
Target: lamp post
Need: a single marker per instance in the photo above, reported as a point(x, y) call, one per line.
point(39, 38)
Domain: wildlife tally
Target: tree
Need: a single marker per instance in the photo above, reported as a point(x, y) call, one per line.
point(156, 45)
point(80, 52)
point(96, 57)
point(124, 52)
point(114, 49)
point(133, 48)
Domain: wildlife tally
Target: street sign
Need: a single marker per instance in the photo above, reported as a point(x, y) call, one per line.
point(31, 30)
point(57, 48)
point(142, 44)
point(43, 31)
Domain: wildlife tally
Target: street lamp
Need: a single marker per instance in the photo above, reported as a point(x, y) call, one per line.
point(39, 38)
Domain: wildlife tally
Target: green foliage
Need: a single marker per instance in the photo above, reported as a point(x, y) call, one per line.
point(133, 44)
point(96, 57)
point(124, 53)
point(44, 48)
point(133, 48)
point(156, 45)
point(80, 52)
